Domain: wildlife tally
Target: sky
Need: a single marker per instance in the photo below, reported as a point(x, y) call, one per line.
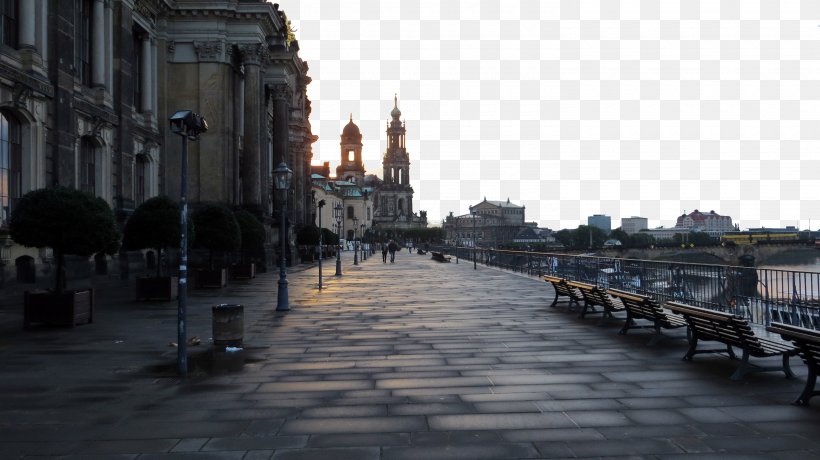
point(649, 108)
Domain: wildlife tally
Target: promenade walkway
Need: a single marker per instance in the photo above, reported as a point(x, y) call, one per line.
point(412, 360)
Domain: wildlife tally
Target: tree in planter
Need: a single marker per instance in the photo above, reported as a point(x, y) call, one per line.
point(217, 230)
point(68, 221)
point(155, 225)
point(253, 236)
point(308, 236)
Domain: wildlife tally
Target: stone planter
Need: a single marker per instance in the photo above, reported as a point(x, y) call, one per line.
point(217, 278)
point(67, 308)
point(153, 288)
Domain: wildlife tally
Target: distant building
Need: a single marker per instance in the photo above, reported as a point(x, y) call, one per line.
point(489, 223)
point(601, 221)
point(661, 233)
point(712, 223)
point(632, 225)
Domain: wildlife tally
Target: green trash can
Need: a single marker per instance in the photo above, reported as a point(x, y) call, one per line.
point(228, 325)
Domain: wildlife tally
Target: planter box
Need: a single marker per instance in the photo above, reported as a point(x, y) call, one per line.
point(153, 288)
point(217, 278)
point(67, 308)
point(243, 271)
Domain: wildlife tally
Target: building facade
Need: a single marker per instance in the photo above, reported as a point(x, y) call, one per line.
point(632, 225)
point(601, 221)
point(87, 87)
point(488, 224)
point(712, 223)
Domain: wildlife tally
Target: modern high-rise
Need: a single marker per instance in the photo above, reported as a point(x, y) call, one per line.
point(601, 221)
point(632, 225)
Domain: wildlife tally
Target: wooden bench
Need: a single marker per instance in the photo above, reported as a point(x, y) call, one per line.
point(439, 257)
point(562, 289)
point(733, 331)
point(646, 308)
point(595, 296)
point(808, 344)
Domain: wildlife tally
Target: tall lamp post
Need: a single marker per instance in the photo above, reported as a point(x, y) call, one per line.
point(321, 205)
point(475, 216)
point(338, 211)
point(281, 182)
point(355, 243)
point(189, 125)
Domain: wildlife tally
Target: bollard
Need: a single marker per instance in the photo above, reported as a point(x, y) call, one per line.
point(228, 325)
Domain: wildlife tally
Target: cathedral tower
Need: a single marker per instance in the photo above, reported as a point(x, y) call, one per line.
point(351, 167)
point(395, 200)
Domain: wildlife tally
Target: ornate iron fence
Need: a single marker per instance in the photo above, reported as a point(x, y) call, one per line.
point(761, 295)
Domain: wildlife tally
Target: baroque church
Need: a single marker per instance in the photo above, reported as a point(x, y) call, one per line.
point(369, 203)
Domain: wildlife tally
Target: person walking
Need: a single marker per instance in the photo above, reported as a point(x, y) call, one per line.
point(392, 247)
point(384, 253)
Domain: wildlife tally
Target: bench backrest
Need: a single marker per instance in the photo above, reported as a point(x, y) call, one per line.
point(594, 295)
point(807, 339)
point(640, 306)
point(715, 325)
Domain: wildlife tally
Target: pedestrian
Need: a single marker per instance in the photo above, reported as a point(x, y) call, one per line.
point(392, 247)
point(384, 253)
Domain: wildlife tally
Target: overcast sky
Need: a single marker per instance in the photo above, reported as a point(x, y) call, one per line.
point(644, 108)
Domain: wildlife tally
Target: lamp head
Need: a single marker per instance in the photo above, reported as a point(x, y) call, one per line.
point(187, 123)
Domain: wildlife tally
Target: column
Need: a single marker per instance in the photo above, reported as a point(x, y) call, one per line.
point(109, 48)
point(27, 24)
point(281, 105)
point(145, 74)
point(251, 153)
point(98, 44)
point(153, 76)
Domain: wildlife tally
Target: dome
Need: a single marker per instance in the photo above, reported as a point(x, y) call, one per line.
point(351, 131)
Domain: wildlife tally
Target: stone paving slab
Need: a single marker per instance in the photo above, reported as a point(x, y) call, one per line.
point(412, 360)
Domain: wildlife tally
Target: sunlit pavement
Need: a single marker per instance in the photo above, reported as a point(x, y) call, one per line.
point(412, 360)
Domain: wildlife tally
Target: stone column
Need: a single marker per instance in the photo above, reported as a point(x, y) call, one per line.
point(98, 45)
point(145, 74)
point(253, 122)
point(281, 115)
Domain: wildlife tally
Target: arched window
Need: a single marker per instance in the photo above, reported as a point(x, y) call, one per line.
point(400, 205)
point(88, 166)
point(140, 185)
point(9, 15)
point(11, 165)
point(350, 212)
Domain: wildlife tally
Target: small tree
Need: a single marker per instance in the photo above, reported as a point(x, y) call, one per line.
point(217, 230)
point(252, 234)
point(308, 235)
point(68, 221)
point(154, 224)
point(329, 238)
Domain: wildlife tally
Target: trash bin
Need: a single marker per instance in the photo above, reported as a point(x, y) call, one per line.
point(228, 325)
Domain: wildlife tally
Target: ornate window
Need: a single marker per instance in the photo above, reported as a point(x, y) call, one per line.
point(82, 41)
point(11, 162)
point(9, 15)
point(88, 166)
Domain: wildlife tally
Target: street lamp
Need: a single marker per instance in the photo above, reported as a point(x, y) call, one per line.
point(338, 211)
point(189, 125)
point(475, 215)
point(281, 182)
point(355, 244)
point(321, 205)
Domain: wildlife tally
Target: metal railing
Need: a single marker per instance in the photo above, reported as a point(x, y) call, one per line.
point(761, 295)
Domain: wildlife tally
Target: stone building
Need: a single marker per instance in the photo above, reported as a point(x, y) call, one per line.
point(87, 87)
point(712, 223)
point(489, 224)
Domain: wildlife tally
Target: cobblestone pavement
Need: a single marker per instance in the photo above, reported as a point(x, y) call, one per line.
point(412, 360)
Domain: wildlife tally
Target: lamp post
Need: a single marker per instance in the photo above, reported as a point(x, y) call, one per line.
point(281, 182)
point(338, 211)
point(355, 243)
point(475, 215)
point(361, 239)
point(189, 125)
point(321, 205)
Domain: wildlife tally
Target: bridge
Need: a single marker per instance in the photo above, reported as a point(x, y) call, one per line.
point(763, 254)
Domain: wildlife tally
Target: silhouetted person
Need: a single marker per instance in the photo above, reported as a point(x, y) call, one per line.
point(384, 253)
point(392, 247)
